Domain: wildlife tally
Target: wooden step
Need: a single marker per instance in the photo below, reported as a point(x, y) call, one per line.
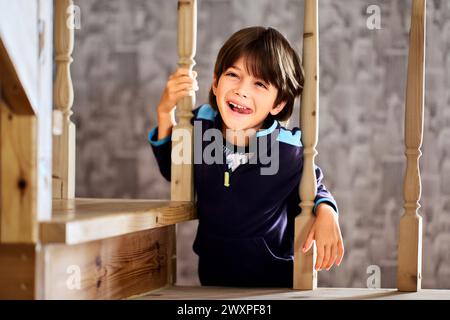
point(81, 220)
point(212, 293)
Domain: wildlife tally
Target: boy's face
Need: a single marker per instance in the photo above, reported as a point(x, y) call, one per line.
point(244, 101)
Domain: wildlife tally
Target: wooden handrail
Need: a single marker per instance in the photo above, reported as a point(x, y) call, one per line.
point(305, 276)
point(410, 239)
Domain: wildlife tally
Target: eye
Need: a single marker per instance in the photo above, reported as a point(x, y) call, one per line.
point(231, 74)
point(261, 84)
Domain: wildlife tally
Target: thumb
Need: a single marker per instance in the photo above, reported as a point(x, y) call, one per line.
point(309, 241)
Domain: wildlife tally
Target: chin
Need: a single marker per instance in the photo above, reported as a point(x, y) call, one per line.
point(233, 125)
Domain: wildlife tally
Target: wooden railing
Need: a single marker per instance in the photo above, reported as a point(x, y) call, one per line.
point(80, 228)
point(305, 276)
point(410, 239)
point(182, 174)
point(64, 141)
point(103, 241)
point(409, 267)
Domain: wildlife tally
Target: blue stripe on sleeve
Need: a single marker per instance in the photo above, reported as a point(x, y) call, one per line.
point(327, 200)
point(206, 112)
point(156, 143)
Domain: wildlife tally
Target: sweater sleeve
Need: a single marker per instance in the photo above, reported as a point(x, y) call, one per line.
point(323, 195)
point(162, 149)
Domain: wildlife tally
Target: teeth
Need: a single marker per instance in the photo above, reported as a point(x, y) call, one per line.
point(237, 106)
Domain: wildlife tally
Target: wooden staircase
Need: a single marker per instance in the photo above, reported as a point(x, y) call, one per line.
point(71, 248)
point(120, 248)
point(96, 249)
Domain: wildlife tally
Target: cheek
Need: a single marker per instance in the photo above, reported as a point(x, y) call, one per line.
point(271, 100)
point(219, 89)
point(262, 98)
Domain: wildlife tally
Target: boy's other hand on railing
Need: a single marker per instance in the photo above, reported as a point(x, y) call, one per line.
point(327, 234)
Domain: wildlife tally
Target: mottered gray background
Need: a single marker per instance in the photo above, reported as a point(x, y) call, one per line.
point(126, 49)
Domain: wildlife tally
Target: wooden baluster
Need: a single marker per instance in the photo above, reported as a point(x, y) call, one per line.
point(182, 175)
point(64, 144)
point(410, 239)
point(305, 276)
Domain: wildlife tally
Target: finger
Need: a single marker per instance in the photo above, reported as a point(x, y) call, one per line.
point(178, 72)
point(175, 98)
point(184, 93)
point(172, 91)
point(182, 87)
point(182, 71)
point(326, 257)
point(183, 80)
point(333, 257)
point(320, 255)
point(341, 251)
point(309, 241)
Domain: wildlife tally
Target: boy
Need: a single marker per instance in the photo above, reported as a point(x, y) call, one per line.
point(246, 218)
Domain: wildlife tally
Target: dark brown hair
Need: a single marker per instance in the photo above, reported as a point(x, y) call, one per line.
point(268, 56)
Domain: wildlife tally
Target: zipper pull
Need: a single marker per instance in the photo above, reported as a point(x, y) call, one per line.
point(226, 179)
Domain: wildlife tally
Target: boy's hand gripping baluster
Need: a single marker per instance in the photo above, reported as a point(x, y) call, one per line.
point(182, 83)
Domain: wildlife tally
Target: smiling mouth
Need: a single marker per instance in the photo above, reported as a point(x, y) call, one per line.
point(239, 109)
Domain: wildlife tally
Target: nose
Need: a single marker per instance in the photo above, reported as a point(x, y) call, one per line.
point(240, 92)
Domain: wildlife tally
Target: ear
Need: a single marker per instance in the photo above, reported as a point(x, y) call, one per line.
point(214, 84)
point(276, 110)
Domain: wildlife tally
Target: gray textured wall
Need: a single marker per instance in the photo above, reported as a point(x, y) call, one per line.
point(125, 50)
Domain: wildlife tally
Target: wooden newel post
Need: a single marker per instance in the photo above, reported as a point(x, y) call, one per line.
point(410, 240)
point(182, 175)
point(305, 276)
point(64, 143)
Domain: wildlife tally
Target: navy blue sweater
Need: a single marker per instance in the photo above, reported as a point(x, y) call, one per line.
point(246, 227)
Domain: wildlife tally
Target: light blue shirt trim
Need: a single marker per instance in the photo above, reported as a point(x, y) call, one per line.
point(157, 143)
point(268, 130)
point(286, 136)
point(206, 112)
point(326, 200)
